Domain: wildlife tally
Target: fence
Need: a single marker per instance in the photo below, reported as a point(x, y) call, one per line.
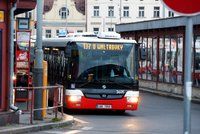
point(54, 93)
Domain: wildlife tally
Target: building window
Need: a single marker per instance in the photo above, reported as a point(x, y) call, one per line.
point(170, 14)
point(111, 11)
point(79, 31)
point(96, 30)
point(63, 12)
point(57, 32)
point(141, 12)
point(48, 33)
point(111, 29)
point(126, 11)
point(96, 11)
point(156, 12)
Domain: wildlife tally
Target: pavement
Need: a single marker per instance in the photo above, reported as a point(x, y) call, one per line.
point(168, 94)
point(48, 122)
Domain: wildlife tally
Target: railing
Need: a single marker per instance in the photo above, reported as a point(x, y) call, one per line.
point(54, 93)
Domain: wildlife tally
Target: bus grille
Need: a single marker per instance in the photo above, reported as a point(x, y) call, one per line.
point(104, 96)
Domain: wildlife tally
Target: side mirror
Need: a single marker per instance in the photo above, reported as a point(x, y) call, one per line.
point(143, 53)
point(68, 51)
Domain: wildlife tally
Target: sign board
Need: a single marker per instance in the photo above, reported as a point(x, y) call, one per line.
point(22, 55)
point(23, 37)
point(62, 33)
point(184, 7)
point(1, 16)
point(23, 23)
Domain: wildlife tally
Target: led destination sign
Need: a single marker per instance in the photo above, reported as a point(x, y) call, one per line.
point(111, 47)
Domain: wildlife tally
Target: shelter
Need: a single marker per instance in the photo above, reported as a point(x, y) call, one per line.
point(6, 116)
point(164, 42)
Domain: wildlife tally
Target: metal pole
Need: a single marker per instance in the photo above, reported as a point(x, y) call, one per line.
point(66, 32)
point(120, 11)
point(187, 76)
point(12, 23)
point(38, 68)
point(86, 15)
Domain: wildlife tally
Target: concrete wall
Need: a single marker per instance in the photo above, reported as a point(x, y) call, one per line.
point(170, 89)
point(8, 118)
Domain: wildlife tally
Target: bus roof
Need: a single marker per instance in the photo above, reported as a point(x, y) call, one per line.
point(61, 42)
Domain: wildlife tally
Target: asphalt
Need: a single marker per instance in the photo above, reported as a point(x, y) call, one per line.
point(47, 123)
point(168, 94)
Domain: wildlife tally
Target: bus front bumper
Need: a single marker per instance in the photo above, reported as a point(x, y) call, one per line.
point(94, 104)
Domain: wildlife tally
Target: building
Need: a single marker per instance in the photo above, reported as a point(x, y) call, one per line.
point(164, 41)
point(6, 116)
point(65, 15)
point(102, 15)
point(98, 15)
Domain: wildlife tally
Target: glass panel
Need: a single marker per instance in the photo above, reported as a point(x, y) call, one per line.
point(162, 59)
point(173, 67)
point(167, 59)
point(140, 62)
point(144, 62)
point(196, 74)
point(149, 59)
point(154, 60)
point(180, 60)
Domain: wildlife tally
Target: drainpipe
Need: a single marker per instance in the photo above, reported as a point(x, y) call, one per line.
point(12, 23)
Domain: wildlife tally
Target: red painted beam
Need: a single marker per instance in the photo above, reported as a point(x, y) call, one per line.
point(25, 6)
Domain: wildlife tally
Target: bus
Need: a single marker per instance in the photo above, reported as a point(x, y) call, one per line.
point(97, 72)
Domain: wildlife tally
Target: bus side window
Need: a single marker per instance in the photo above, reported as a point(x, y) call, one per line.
point(112, 74)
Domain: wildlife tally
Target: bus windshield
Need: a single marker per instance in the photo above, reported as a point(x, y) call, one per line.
point(104, 61)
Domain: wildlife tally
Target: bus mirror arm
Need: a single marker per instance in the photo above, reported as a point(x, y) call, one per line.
point(67, 51)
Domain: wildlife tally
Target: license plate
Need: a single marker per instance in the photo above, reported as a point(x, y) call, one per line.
point(104, 106)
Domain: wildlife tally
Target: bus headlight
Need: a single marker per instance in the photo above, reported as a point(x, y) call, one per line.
point(74, 98)
point(132, 99)
point(132, 96)
point(74, 95)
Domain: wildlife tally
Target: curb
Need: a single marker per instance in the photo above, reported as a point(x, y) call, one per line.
point(167, 94)
point(37, 127)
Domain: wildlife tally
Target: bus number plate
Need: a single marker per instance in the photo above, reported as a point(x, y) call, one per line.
point(104, 106)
